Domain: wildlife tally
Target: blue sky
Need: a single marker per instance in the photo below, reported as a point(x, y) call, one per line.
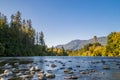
point(66, 20)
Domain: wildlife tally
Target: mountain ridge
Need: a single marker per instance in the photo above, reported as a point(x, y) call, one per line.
point(77, 44)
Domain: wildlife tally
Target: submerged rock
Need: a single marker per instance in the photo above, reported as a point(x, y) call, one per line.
point(50, 75)
point(63, 64)
point(66, 71)
point(84, 72)
point(69, 61)
point(71, 77)
point(106, 67)
point(53, 65)
point(34, 68)
point(74, 77)
point(70, 68)
point(78, 66)
point(49, 71)
point(92, 70)
point(62, 68)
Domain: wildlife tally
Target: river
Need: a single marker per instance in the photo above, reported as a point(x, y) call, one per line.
point(105, 68)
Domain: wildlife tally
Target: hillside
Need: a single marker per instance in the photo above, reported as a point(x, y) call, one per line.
point(76, 44)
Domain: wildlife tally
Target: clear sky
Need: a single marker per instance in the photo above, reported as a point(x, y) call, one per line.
point(66, 20)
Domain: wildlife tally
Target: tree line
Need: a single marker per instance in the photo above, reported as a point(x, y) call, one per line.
point(112, 48)
point(19, 38)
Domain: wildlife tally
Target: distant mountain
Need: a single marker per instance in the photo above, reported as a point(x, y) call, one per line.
point(77, 44)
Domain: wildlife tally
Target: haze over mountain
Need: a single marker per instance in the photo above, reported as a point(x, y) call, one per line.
point(77, 44)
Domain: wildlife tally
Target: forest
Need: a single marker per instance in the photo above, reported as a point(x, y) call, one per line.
point(19, 38)
point(112, 48)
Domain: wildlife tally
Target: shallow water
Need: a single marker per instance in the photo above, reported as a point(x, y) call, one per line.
point(85, 63)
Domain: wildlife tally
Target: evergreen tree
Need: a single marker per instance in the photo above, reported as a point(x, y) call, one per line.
point(41, 39)
point(17, 38)
point(95, 39)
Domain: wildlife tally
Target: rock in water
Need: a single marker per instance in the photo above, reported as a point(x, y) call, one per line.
point(50, 75)
point(16, 64)
point(66, 71)
point(71, 77)
point(37, 68)
point(7, 66)
point(106, 67)
point(3, 78)
point(32, 68)
point(53, 65)
point(8, 72)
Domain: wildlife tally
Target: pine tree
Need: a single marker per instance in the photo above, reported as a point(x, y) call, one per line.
point(95, 39)
point(41, 39)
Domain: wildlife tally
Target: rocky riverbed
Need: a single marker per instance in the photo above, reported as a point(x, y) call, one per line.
point(59, 68)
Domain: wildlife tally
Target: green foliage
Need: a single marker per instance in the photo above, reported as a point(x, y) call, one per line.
point(96, 49)
point(2, 49)
point(57, 52)
point(17, 38)
point(113, 44)
point(88, 50)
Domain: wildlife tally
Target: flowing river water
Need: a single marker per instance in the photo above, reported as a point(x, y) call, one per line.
point(95, 68)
